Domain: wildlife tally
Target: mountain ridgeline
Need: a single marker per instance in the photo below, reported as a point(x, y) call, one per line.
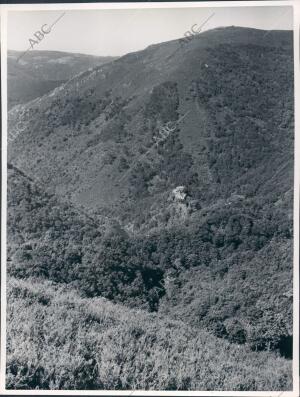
point(196, 227)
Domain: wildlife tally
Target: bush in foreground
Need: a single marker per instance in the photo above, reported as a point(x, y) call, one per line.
point(58, 340)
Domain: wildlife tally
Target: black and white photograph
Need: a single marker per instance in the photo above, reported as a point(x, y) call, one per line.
point(150, 199)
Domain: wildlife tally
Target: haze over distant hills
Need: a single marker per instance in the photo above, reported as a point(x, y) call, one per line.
point(35, 73)
point(197, 228)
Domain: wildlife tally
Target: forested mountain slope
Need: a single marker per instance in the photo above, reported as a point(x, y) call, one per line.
point(87, 138)
point(229, 272)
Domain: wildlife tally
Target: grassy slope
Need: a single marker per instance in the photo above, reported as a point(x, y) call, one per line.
point(58, 340)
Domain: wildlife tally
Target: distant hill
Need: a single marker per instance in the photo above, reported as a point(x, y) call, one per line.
point(35, 73)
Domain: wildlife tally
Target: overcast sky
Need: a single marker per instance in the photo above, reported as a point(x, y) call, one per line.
point(117, 32)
